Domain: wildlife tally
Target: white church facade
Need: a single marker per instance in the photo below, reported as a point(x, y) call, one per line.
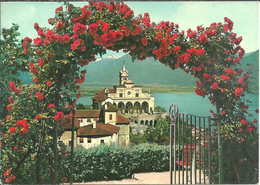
point(128, 97)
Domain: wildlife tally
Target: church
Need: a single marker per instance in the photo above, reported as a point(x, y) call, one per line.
point(128, 97)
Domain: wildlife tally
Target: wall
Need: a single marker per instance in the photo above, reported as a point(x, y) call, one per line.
point(66, 137)
point(84, 121)
point(96, 141)
point(107, 120)
point(124, 131)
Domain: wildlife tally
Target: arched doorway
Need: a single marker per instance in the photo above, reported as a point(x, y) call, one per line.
point(142, 122)
point(128, 107)
point(145, 107)
point(137, 107)
point(121, 107)
point(151, 123)
point(146, 122)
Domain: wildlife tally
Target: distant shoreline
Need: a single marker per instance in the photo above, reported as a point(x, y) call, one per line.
point(91, 90)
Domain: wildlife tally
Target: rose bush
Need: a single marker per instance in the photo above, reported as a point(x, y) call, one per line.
point(76, 35)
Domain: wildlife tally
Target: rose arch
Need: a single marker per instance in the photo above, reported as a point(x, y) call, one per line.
point(76, 35)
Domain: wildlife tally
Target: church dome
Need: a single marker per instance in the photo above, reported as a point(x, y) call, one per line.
point(129, 82)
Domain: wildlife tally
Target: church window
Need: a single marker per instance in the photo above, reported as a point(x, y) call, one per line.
point(120, 95)
point(110, 116)
point(81, 140)
point(89, 140)
point(88, 120)
point(125, 78)
point(136, 94)
point(102, 141)
point(128, 92)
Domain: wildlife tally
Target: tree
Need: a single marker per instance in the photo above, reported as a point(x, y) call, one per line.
point(160, 134)
point(159, 109)
point(12, 63)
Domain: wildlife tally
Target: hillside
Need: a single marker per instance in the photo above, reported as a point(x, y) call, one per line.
point(152, 73)
point(147, 72)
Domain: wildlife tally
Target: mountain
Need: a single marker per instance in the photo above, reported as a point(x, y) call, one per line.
point(152, 73)
point(105, 72)
point(251, 62)
point(147, 72)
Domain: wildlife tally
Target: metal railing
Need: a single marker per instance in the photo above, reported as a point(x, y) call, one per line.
point(190, 158)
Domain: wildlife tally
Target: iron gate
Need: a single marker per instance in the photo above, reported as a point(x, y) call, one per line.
point(190, 158)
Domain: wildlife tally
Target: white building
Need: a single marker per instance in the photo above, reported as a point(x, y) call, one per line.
point(95, 127)
point(129, 98)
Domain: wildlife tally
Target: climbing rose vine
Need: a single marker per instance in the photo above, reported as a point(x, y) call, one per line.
point(76, 35)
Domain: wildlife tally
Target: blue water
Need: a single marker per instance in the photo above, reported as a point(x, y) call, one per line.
point(187, 102)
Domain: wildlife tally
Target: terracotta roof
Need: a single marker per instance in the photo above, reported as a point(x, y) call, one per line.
point(101, 96)
point(121, 119)
point(87, 113)
point(110, 107)
point(67, 124)
point(100, 130)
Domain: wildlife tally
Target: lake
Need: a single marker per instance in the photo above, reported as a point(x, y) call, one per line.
point(187, 102)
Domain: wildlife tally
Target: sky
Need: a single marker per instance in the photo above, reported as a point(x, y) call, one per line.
point(245, 16)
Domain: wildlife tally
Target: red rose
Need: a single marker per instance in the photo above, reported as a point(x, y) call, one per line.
point(8, 107)
point(225, 78)
point(38, 117)
point(248, 130)
point(51, 106)
point(224, 90)
point(203, 38)
point(15, 148)
point(257, 110)
point(200, 92)
point(39, 96)
point(58, 9)
point(93, 28)
point(238, 91)
point(48, 83)
point(192, 35)
point(36, 26)
point(177, 49)
point(240, 81)
point(206, 76)
point(228, 59)
point(12, 130)
point(238, 40)
point(59, 25)
point(240, 130)
point(199, 52)
point(40, 62)
point(7, 173)
point(243, 122)
point(215, 86)
point(144, 41)
point(59, 116)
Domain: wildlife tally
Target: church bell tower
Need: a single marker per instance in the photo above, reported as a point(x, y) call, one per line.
point(123, 76)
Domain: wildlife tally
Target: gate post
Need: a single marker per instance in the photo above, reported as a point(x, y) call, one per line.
point(220, 151)
point(72, 146)
point(173, 113)
point(220, 154)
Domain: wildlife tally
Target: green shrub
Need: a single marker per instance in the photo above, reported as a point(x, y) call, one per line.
point(114, 163)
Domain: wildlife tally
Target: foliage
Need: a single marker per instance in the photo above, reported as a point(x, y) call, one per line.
point(159, 109)
point(160, 134)
point(114, 163)
point(80, 106)
point(12, 64)
point(241, 162)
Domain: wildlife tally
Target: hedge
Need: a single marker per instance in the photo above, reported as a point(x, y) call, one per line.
point(115, 163)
